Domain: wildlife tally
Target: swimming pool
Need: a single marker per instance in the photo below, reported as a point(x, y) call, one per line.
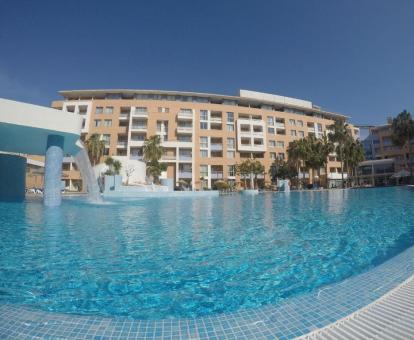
point(186, 257)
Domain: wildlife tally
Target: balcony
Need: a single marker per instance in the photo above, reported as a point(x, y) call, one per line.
point(185, 129)
point(185, 158)
point(217, 175)
point(280, 125)
point(184, 115)
point(141, 114)
point(122, 145)
point(124, 116)
point(215, 120)
point(167, 158)
point(139, 128)
point(216, 147)
point(185, 174)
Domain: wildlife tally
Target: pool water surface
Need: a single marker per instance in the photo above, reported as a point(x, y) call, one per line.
point(187, 257)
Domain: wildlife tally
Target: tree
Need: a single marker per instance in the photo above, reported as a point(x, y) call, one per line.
point(283, 170)
point(318, 150)
point(354, 153)
point(152, 149)
point(298, 153)
point(243, 169)
point(256, 168)
point(339, 136)
point(152, 152)
point(402, 128)
point(154, 169)
point(117, 165)
point(95, 147)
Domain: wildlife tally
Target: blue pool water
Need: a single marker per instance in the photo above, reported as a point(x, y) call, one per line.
point(186, 257)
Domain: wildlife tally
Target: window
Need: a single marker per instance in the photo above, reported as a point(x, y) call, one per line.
point(270, 120)
point(332, 158)
point(299, 123)
point(106, 139)
point(231, 154)
point(163, 109)
point(204, 142)
point(141, 109)
point(332, 170)
point(230, 117)
point(281, 156)
point(107, 122)
point(203, 115)
point(98, 122)
point(203, 125)
point(271, 130)
point(203, 153)
point(319, 127)
point(109, 109)
point(231, 170)
point(190, 111)
point(230, 127)
point(293, 133)
point(203, 170)
point(301, 134)
point(280, 144)
point(230, 143)
point(99, 109)
point(273, 156)
point(292, 122)
point(272, 143)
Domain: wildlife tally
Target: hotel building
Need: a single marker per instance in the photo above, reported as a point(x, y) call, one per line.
point(204, 135)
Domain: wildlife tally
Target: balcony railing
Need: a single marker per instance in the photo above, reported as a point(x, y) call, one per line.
point(122, 144)
point(169, 158)
point(280, 125)
point(186, 157)
point(217, 174)
point(184, 129)
point(216, 147)
point(140, 113)
point(185, 115)
point(185, 174)
point(124, 116)
point(139, 127)
point(215, 120)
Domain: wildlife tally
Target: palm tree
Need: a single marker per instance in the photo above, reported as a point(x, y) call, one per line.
point(256, 168)
point(243, 169)
point(326, 148)
point(152, 149)
point(402, 128)
point(339, 136)
point(298, 153)
point(154, 169)
point(117, 165)
point(95, 147)
point(152, 153)
point(354, 155)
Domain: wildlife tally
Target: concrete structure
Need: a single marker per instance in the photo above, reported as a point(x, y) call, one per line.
point(37, 130)
point(204, 135)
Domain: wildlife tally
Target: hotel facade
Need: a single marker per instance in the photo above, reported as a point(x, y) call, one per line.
point(203, 135)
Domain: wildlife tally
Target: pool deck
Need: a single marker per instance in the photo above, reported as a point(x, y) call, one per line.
point(292, 318)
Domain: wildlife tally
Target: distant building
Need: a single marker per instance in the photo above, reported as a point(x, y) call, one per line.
point(204, 135)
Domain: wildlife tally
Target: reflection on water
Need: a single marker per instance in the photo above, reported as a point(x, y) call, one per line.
point(186, 257)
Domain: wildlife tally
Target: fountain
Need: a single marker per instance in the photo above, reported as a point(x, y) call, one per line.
point(88, 175)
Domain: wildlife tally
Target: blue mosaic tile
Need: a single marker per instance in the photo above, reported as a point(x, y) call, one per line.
point(291, 318)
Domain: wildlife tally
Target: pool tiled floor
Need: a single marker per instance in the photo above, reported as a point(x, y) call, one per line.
point(291, 318)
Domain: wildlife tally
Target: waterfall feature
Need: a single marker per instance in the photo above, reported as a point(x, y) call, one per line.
point(88, 176)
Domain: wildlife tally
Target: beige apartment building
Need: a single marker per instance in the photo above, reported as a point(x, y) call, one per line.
point(204, 135)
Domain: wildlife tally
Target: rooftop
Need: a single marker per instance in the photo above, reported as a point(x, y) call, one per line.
point(245, 98)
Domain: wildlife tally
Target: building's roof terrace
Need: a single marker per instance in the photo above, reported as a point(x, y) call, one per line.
point(246, 98)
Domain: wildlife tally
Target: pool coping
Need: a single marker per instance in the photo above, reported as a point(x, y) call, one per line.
point(291, 318)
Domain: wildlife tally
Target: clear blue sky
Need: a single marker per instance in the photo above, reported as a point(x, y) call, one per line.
point(351, 56)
